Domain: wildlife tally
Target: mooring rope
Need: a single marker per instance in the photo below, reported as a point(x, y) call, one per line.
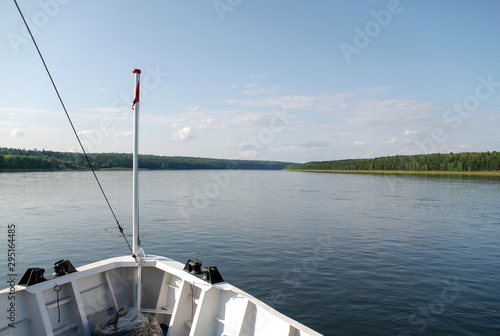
point(74, 130)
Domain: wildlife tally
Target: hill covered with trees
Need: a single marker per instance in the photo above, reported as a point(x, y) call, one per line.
point(459, 162)
point(12, 159)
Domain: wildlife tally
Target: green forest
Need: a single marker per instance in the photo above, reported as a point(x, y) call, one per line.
point(452, 162)
point(12, 159)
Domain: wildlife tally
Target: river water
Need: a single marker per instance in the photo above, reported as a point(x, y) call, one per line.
point(345, 254)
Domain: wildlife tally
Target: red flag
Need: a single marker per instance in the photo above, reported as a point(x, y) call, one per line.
point(136, 99)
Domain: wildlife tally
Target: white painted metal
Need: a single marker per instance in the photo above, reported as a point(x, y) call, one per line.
point(187, 304)
point(135, 188)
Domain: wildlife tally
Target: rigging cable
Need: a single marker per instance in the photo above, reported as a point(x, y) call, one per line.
point(74, 130)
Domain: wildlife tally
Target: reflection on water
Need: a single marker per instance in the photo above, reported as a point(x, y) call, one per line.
point(342, 253)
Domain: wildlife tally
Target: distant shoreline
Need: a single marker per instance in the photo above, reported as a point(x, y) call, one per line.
point(466, 163)
point(14, 160)
point(495, 173)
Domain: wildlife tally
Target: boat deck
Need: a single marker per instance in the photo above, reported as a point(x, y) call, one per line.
point(182, 301)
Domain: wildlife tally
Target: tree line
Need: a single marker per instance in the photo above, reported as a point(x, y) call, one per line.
point(457, 162)
point(12, 159)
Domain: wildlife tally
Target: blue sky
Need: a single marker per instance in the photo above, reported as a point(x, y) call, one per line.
point(253, 79)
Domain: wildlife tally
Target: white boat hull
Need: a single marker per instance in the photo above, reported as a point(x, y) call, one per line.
point(185, 303)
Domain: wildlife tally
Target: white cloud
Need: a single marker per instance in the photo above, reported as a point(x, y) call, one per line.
point(193, 108)
point(255, 76)
point(320, 103)
point(408, 132)
point(124, 134)
point(388, 114)
point(9, 123)
point(392, 141)
point(358, 143)
point(17, 133)
point(249, 155)
point(253, 84)
point(183, 134)
point(85, 133)
point(456, 148)
point(208, 123)
point(250, 152)
point(291, 148)
point(230, 120)
point(370, 154)
point(109, 109)
point(23, 111)
point(260, 91)
point(406, 141)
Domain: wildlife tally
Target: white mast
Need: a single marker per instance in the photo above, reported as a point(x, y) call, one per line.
point(135, 189)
